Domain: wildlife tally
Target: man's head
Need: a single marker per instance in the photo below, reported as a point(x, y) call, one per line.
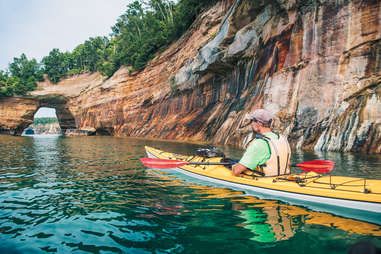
point(260, 120)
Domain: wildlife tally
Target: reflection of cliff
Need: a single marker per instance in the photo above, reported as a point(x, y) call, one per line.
point(267, 224)
point(315, 64)
point(276, 222)
point(271, 221)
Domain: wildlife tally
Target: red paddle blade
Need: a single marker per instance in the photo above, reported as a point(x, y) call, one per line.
point(317, 166)
point(162, 163)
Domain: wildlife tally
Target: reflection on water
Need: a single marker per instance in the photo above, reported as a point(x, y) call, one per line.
point(271, 221)
point(91, 194)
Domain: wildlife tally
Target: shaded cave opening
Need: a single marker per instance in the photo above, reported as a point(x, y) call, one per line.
point(105, 131)
point(45, 123)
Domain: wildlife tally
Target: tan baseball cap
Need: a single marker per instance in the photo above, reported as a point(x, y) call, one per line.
point(261, 115)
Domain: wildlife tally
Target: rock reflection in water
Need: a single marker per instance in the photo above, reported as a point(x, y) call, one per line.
point(271, 221)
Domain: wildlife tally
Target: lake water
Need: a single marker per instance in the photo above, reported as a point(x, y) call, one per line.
point(92, 195)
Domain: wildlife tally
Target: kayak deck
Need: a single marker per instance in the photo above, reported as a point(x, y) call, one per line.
point(366, 192)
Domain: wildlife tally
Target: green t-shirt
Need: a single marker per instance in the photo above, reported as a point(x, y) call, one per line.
point(258, 152)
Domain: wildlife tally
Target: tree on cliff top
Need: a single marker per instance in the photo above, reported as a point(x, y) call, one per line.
point(21, 78)
point(145, 28)
point(141, 31)
point(90, 55)
point(55, 65)
point(148, 27)
point(87, 57)
point(6, 84)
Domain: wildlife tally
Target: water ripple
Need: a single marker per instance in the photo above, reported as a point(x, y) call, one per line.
point(91, 194)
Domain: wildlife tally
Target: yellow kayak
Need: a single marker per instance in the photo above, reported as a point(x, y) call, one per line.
point(351, 196)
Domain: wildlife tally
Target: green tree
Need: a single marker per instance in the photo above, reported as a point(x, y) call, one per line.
point(26, 73)
point(141, 31)
point(186, 12)
point(5, 90)
point(148, 27)
point(45, 120)
point(56, 65)
point(89, 56)
point(10, 85)
point(145, 28)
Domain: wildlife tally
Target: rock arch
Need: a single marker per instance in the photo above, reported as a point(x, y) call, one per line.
point(65, 117)
point(17, 113)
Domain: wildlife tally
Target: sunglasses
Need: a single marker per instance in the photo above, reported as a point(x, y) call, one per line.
point(247, 123)
point(254, 120)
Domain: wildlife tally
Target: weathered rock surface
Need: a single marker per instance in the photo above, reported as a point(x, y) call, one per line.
point(16, 114)
point(315, 64)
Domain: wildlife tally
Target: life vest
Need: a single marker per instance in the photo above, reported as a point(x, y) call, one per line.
point(279, 162)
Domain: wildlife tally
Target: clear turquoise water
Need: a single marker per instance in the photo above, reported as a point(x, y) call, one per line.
point(92, 195)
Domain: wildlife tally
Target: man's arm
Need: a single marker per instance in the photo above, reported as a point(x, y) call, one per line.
point(253, 156)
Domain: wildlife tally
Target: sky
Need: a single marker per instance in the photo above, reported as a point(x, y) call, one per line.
point(35, 27)
point(45, 112)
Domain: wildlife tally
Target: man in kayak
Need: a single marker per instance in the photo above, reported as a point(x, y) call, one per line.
point(267, 152)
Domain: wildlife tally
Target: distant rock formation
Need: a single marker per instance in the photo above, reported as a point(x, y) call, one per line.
point(46, 129)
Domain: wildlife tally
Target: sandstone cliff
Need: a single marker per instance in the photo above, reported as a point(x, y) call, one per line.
point(315, 64)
